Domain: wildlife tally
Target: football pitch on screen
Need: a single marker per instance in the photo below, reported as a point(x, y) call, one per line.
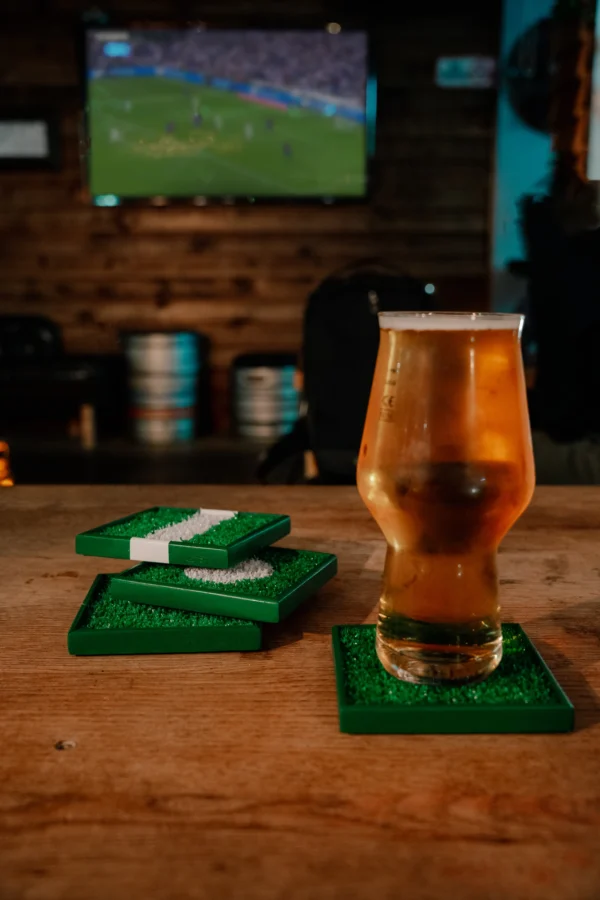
point(158, 136)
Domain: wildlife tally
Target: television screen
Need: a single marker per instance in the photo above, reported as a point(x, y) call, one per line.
point(184, 113)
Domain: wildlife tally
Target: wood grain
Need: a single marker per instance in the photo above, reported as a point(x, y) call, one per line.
point(226, 775)
point(97, 271)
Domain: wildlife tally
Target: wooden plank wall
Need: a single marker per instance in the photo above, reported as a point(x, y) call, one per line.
point(242, 275)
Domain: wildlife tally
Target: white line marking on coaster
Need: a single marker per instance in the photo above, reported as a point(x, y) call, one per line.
point(148, 550)
point(196, 524)
point(249, 570)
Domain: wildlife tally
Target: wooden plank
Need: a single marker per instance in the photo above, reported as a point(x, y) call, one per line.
point(205, 11)
point(297, 221)
point(440, 111)
point(30, 57)
point(26, 195)
point(159, 290)
point(453, 151)
point(86, 295)
point(108, 256)
point(422, 39)
point(225, 315)
point(422, 266)
point(448, 185)
point(234, 325)
point(186, 776)
point(266, 220)
point(269, 248)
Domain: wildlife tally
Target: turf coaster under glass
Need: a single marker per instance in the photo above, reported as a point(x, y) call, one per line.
point(189, 537)
point(522, 695)
point(265, 588)
point(105, 625)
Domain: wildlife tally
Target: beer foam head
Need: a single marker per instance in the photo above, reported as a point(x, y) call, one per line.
point(427, 321)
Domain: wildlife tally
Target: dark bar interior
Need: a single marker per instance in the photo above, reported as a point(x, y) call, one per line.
point(300, 450)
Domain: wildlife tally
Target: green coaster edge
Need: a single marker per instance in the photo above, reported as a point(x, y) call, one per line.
point(94, 543)
point(207, 600)
point(83, 641)
point(354, 718)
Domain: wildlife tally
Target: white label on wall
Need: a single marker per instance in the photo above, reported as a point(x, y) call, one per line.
point(465, 72)
point(23, 140)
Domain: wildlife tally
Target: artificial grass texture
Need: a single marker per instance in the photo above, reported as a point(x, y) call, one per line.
point(106, 612)
point(221, 535)
point(290, 567)
point(520, 679)
point(226, 533)
point(143, 523)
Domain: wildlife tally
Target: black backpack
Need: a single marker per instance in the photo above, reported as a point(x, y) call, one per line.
point(341, 338)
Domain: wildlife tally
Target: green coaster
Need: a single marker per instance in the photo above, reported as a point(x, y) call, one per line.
point(188, 537)
point(266, 588)
point(105, 625)
point(522, 695)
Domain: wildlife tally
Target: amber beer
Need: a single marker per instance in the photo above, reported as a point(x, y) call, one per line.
point(445, 468)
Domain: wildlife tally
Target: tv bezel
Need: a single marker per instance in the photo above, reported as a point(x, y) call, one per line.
point(203, 200)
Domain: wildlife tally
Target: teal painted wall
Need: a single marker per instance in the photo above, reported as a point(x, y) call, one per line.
point(522, 161)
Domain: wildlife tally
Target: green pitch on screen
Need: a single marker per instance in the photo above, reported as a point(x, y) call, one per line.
point(144, 142)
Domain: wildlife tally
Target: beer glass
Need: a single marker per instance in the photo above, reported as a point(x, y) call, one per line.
point(445, 468)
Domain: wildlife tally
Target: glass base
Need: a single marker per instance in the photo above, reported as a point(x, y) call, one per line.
point(439, 663)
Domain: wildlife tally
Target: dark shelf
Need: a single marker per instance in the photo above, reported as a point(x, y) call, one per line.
point(210, 460)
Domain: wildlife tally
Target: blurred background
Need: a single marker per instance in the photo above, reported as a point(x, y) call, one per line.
point(204, 206)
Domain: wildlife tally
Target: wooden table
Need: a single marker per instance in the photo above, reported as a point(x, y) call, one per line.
point(226, 775)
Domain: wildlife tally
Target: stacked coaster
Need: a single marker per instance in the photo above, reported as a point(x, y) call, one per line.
point(208, 580)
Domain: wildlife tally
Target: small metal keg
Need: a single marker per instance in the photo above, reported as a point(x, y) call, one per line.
point(163, 374)
point(265, 397)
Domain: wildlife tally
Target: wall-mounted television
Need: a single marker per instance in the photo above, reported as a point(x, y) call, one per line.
point(228, 114)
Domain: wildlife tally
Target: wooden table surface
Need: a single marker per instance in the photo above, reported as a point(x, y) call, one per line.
point(226, 776)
